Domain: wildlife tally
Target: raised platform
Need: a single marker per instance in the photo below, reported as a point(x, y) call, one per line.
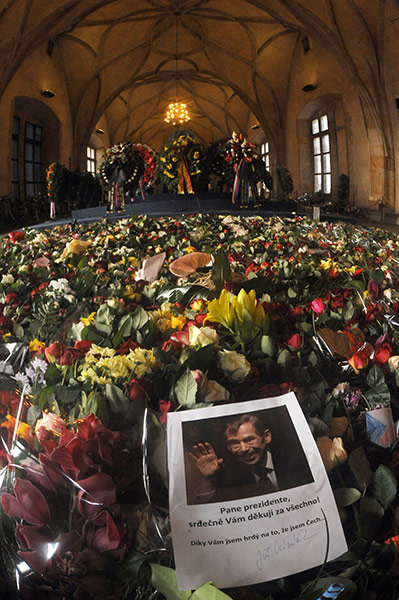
point(173, 204)
point(158, 205)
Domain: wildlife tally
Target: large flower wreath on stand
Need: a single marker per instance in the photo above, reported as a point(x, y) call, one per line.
point(220, 164)
point(241, 153)
point(121, 168)
point(183, 163)
point(150, 162)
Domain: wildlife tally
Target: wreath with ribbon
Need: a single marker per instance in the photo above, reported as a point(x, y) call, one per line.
point(220, 161)
point(122, 157)
point(182, 159)
point(285, 180)
point(150, 161)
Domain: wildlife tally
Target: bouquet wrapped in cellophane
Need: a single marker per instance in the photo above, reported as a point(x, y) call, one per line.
point(80, 521)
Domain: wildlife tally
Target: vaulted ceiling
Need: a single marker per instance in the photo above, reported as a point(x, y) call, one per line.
point(232, 61)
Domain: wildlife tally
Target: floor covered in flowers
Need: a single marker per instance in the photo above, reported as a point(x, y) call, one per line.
point(109, 326)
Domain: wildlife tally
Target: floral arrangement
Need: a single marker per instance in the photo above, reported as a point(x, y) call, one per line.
point(238, 147)
point(183, 147)
point(123, 157)
point(284, 305)
point(220, 162)
point(285, 180)
point(149, 157)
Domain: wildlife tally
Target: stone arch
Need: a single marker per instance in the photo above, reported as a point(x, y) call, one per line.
point(34, 111)
point(332, 105)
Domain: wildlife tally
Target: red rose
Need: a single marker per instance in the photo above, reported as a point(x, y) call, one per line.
point(128, 345)
point(336, 302)
point(138, 389)
point(16, 236)
point(69, 356)
point(360, 359)
point(83, 345)
point(295, 342)
point(53, 350)
point(9, 298)
point(297, 312)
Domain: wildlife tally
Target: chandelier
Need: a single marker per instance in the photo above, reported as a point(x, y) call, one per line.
point(177, 112)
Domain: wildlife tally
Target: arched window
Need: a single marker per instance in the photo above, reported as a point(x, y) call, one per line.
point(321, 154)
point(323, 142)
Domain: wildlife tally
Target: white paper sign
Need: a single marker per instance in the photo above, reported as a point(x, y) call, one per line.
point(232, 527)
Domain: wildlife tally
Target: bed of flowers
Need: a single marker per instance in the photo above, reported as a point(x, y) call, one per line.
point(108, 327)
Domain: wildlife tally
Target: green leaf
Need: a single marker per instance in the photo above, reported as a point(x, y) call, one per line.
point(268, 345)
point(371, 508)
point(291, 293)
point(201, 359)
point(385, 486)
point(379, 394)
point(164, 580)
point(53, 374)
point(66, 394)
point(346, 496)
point(284, 358)
point(116, 398)
point(360, 467)
point(208, 591)
point(348, 311)
point(178, 293)
point(377, 275)
point(221, 271)
point(76, 330)
point(139, 319)
point(186, 389)
point(375, 376)
point(18, 330)
point(125, 326)
point(46, 396)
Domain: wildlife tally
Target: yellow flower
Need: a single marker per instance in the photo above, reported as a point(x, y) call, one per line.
point(87, 320)
point(35, 345)
point(351, 270)
point(248, 304)
point(130, 292)
point(163, 159)
point(221, 311)
point(242, 314)
point(190, 249)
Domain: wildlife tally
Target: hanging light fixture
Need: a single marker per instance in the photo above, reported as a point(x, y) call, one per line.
point(177, 112)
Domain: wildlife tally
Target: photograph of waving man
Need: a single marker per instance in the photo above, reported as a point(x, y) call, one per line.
point(246, 464)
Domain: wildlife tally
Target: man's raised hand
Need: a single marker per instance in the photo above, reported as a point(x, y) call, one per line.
point(206, 459)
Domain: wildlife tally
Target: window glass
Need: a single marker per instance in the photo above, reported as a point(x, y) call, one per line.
point(33, 159)
point(326, 163)
point(317, 164)
point(15, 158)
point(316, 145)
point(321, 154)
point(317, 183)
point(324, 123)
point(325, 142)
point(327, 184)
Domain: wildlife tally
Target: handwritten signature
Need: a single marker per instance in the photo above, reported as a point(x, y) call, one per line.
point(281, 545)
